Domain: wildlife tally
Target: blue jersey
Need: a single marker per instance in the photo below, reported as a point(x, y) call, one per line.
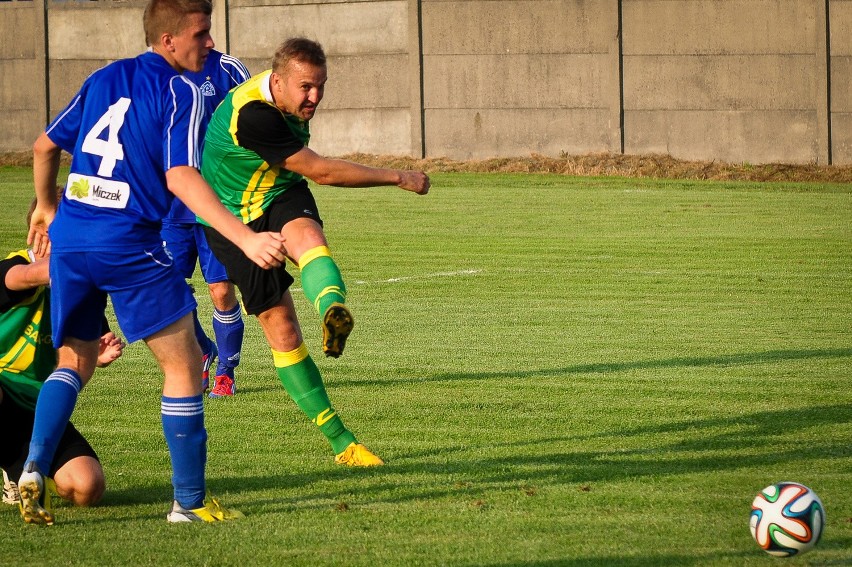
point(220, 74)
point(131, 121)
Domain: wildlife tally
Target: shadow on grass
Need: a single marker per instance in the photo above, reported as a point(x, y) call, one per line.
point(712, 445)
point(681, 560)
point(698, 446)
point(741, 359)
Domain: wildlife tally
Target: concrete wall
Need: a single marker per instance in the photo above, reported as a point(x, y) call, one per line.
point(23, 82)
point(840, 65)
point(732, 80)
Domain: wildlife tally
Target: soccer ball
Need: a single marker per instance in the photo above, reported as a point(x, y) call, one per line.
point(786, 518)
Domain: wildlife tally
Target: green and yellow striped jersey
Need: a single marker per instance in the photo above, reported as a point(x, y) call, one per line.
point(27, 356)
point(247, 140)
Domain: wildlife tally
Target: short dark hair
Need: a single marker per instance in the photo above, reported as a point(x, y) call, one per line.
point(169, 16)
point(299, 49)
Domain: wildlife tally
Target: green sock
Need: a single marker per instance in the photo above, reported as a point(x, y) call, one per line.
point(302, 380)
point(321, 279)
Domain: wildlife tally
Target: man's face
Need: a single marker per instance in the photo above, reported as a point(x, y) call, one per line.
point(193, 44)
point(299, 89)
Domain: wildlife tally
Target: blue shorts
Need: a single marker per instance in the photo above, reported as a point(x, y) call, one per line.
point(147, 293)
point(186, 243)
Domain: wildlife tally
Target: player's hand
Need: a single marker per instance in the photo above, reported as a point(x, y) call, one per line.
point(414, 181)
point(37, 238)
point(110, 348)
point(266, 249)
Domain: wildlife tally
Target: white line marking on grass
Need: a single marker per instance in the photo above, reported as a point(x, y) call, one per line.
point(424, 277)
point(409, 278)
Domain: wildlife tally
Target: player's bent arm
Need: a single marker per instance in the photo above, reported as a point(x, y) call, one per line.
point(342, 173)
point(28, 276)
point(266, 249)
point(46, 156)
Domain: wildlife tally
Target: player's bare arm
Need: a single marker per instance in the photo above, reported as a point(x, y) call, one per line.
point(266, 249)
point(46, 156)
point(342, 173)
point(28, 276)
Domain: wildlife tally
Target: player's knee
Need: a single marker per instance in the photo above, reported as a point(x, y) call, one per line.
point(82, 483)
point(82, 492)
point(223, 296)
point(89, 493)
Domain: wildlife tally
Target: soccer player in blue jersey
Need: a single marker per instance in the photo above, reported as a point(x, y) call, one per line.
point(132, 130)
point(187, 244)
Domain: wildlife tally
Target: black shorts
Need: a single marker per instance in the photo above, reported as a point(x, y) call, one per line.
point(262, 289)
point(16, 429)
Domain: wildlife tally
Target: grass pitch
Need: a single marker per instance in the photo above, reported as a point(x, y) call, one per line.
point(557, 370)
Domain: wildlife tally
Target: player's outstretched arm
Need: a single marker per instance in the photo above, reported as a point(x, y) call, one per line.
point(266, 249)
point(28, 276)
point(342, 173)
point(46, 156)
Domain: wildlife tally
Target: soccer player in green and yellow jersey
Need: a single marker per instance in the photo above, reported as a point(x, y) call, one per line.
point(257, 160)
point(27, 358)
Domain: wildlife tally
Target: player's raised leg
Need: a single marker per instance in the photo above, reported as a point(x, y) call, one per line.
point(323, 285)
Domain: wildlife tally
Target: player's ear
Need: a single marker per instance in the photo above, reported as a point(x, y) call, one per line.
point(167, 42)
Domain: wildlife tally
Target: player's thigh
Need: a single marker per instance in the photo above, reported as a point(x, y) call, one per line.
point(260, 289)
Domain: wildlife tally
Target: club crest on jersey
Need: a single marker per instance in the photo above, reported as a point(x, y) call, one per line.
point(207, 89)
point(97, 192)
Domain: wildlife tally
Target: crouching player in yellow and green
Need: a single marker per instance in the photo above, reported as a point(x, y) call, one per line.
point(27, 358)
point(256, 159)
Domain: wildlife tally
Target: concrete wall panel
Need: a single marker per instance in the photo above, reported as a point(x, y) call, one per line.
point(515, 81)
point(841, 84)
point(118, 32)
point(23, 84)
point(379, 131)
point(16, 74)
point(840, 12)
point(785, 136)
point(686, 27)
point(494, 70)
point(720, 82)
point(21, 127)
point(511, 26)
point(841, 138)
point(487, 133)
point(15, 17)
point(342, 29)
point(367, 82)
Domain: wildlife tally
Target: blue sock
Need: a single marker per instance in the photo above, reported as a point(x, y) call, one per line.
point(55, 405)
point(202, 338)
point(183, 426)
point(228, 327)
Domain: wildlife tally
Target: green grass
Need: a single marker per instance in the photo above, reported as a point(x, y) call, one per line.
point(558, 371)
